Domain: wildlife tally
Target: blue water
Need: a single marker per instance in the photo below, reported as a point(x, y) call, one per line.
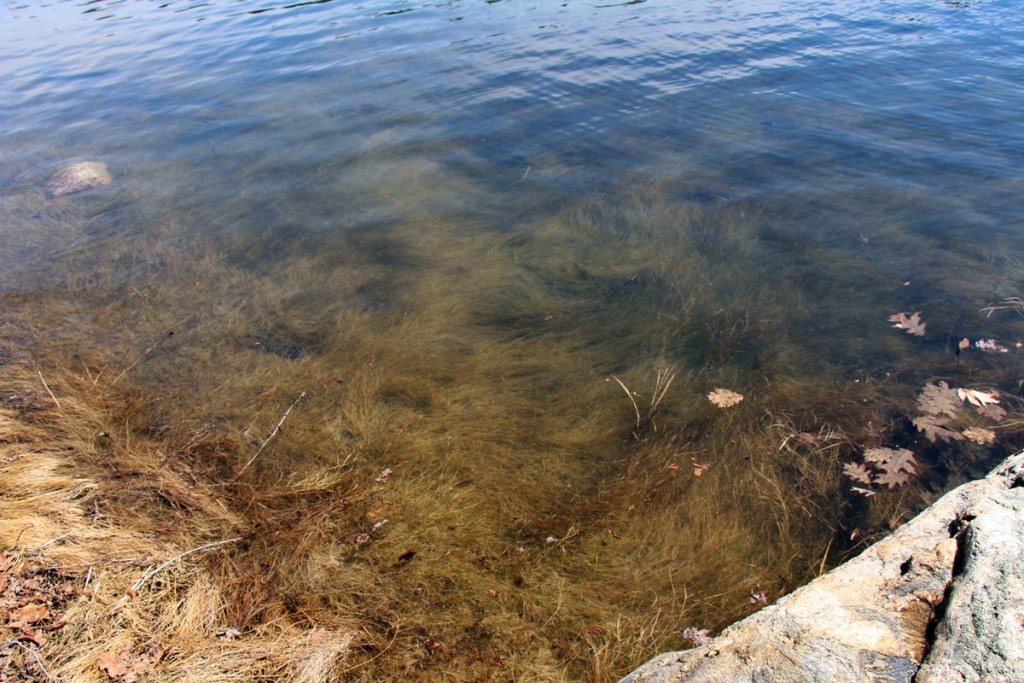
point(831, 106)
point(875, 146)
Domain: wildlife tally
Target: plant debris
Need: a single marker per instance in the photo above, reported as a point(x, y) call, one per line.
point(698, 637)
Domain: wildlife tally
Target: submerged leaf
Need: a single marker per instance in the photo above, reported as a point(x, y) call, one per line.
point(936, 399)
point(892, 479)
point(895, 466)
point(912, 323)
point(857, 472)
point(892, 459)
point(936, 429)
point(992, 410)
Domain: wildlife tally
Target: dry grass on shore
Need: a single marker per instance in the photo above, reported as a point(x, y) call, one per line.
point(91, 591)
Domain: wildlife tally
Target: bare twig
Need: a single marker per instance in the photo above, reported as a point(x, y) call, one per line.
point(277, 428)
point(14, 641)
point(47, 386)
point(153, 571)
point(52, 540)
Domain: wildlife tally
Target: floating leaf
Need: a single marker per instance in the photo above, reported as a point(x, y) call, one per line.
point(985, 402)
point(982, 436)
point(723, 398)
point(912, 323)
point(936, 399)
point(977, 398)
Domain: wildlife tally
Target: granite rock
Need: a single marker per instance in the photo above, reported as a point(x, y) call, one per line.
point(940, 599)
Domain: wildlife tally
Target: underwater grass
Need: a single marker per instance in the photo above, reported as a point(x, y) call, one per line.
point(451, 483)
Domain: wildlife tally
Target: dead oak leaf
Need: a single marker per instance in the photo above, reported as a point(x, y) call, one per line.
point(912, 323)
point(723, 398)
point(857, 472)
point(113, 664)
point(936, 399)
point(892, 479)
point(936, 428)
point(978, 398)
point(28, 614)
point(892, 459)
point(149, 659)
point(992, 410)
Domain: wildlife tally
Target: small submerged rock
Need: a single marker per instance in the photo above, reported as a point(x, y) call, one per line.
point(76, 178)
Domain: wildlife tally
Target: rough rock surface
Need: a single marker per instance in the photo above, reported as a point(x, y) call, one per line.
point(941, 599)
point(77, 177)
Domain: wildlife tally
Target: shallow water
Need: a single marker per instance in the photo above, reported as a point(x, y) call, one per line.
point(458, 227)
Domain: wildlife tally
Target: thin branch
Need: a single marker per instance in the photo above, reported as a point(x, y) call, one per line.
point(14, 641)
point(153, 571)
point(52, 540)
point(272, 434)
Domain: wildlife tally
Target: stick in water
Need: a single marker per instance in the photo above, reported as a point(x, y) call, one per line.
point(272, 434)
